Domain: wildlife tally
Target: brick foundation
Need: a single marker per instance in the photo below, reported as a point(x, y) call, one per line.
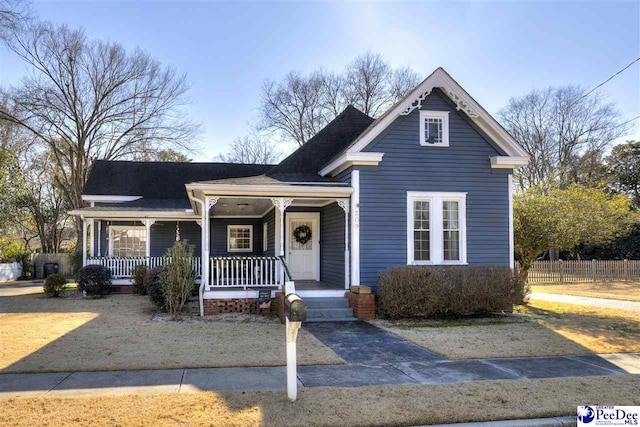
point(121, 289)
point(236, 305)
point(363, 305)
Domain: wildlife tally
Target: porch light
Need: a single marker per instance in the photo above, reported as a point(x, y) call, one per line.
point(242, 206)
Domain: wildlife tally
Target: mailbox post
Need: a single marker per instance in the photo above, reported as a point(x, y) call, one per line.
point(295, 311)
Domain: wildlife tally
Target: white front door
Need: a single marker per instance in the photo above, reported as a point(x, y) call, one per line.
point(303, 250)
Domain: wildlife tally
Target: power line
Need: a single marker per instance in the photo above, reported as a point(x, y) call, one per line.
point(605, 82)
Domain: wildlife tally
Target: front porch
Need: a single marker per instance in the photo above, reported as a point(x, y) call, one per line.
point(251, 239)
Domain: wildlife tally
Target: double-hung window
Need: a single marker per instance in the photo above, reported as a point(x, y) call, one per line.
point(436, 228)
point(434, 128)
point(127, 241)
point(239, 238)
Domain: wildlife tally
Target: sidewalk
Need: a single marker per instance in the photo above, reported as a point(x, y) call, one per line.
point(588, 301)
point(74, 384)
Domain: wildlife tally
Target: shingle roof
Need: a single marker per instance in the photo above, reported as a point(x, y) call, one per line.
point(159, 180)
point(326, 144)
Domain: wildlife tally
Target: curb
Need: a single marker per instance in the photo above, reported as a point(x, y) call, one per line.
point(533, 422)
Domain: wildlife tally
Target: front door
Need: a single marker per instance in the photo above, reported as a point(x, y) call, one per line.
point(303, 245)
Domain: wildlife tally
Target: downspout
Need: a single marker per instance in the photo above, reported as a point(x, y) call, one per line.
point(202, 239)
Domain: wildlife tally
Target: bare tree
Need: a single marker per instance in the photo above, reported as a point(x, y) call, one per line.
point(557, 126)
point(251, 149)
point(299, 106)
point(294, 106)
point(87, 100)
point(14, 15)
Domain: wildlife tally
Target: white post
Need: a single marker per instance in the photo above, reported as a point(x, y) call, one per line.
point(292, 368)
point(511, 241)
point(281, 204)
point(344, 204)
point(148, 223)
point(209, 202)
point(84, 241)
point(355, 228)
point(93, 238)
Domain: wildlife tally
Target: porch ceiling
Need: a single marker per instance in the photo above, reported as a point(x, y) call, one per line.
point(257, 206)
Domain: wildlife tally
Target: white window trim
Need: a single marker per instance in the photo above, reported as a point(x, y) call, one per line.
point(436, 238)
point(237, 226)
point(113, 228)
point(427, 114)
point(265, 237)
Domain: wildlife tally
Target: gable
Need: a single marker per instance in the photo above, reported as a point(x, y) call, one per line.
point(464, 135)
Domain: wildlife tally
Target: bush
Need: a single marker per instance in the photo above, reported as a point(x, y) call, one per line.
point(94, 280)
point(54, 285)
point(439, 292)
point(178, 279)
point(153, 286)
point(139, 274)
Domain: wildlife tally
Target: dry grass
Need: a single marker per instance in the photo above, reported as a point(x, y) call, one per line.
point(600, 330)
point(552, 330)
point(41, 334)
point(367, 406)
point(629, 291)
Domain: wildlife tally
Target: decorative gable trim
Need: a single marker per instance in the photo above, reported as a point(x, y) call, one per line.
point(506, 162)
point(347, 160)
point(464, 102)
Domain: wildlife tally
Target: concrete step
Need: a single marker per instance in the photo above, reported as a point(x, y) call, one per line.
point(326, 302)
point(328, 313)
point(332, 319)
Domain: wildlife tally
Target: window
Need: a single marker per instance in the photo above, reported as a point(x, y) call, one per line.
point(265, 237)
point(239, 238)
point(127, 241)
point(436, 227)
point(434, 128)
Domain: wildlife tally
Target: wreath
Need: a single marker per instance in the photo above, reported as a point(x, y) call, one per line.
point(302, 234)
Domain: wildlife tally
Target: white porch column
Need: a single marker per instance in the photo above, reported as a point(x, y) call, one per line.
point(92, 251)
point(281, 204)
point(84, 241)
point(209, 202)
point(355, 228)
point(344, 204)
point(148, 223)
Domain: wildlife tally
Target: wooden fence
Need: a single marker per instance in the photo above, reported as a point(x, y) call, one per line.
point(584, 271)
point(64, 262)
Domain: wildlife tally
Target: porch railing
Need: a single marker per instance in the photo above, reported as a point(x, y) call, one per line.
point(245, 271)
point(122, 267)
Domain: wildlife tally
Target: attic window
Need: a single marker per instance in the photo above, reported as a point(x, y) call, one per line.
point(434, 128)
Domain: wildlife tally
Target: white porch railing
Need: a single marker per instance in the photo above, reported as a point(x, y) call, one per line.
point(122, 267)
point(245, 271)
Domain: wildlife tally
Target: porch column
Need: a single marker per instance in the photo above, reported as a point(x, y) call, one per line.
point(93, 238)
point(281, 204)
point(148, 223)
point(85, 224)
point(209, 202)
point(344, 204)
point(355, 228)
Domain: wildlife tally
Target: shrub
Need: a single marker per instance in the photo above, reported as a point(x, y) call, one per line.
point(139, 274)
point(437, 292)
point(153, 286)
point(94, 280)
point(178, 278)
point(54, 285)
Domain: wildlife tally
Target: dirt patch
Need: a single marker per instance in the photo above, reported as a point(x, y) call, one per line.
point(374, 406)
point(40, 334)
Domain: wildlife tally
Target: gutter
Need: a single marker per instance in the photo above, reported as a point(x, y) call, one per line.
point(201, 287)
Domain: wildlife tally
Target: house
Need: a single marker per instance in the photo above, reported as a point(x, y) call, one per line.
point(428, 182)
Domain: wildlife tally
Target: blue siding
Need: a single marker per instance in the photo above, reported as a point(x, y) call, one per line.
point(464, 166)
point(163, 236)
point(219, 235)
point(332, 244)
point(270, 220)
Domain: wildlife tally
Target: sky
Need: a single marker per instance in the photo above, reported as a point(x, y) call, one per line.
point(495, 50)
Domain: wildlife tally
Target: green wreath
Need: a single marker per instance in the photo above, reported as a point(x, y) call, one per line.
point(302, 234)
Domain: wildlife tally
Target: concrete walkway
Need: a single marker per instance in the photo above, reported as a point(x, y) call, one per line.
point(21, 288)
point(588, 301)
point(373, 356)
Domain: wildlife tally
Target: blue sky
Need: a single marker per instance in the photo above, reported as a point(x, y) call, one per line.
point(496, 50)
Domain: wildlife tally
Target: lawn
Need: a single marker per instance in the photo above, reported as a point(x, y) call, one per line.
point(629, 291)
point(365, 406)
point(40, 334)
point(539, 329)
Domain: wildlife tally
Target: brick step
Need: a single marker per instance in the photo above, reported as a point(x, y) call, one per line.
point(326, 302)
